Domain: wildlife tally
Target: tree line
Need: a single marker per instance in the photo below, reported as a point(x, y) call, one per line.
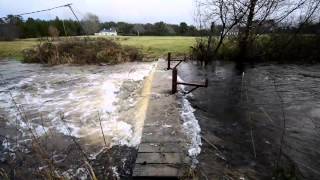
point(12, 27)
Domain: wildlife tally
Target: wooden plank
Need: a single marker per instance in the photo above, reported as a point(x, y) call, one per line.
point(157, 170)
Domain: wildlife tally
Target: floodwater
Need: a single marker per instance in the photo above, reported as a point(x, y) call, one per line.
point(247, 114)
point(56, 119)
point(69, 115)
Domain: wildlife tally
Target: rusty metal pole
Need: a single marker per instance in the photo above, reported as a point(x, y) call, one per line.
point(169, 59)
point(174, 80)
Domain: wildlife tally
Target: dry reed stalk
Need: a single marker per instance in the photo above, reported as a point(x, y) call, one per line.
point(74, 139)
point(100, 122)
point(276, 88)
point(249, 116)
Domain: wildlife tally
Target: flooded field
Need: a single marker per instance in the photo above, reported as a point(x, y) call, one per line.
point(258, 121)
point(54, 120)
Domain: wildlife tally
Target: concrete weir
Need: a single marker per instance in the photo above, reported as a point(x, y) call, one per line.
point(162, 152)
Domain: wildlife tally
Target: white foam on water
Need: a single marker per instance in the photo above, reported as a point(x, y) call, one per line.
point(77, 173)
point(82, 174)
point(132, 74)
point(115, 172)
point(190, 125)
point(121, 132)
point(7, 145)
point(110, 88)
point(76, 95)
point(41, 130)
point(25, 81)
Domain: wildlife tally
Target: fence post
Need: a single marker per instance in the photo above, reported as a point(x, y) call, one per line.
point(174, 80)
point(169, 59)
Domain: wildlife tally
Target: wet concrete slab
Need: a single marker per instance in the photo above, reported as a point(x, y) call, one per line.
point(159, 147)
point(157, 170)
point(162, 152)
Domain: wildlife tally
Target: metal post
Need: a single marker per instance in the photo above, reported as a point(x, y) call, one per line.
point(174, 80)
point(169, 59)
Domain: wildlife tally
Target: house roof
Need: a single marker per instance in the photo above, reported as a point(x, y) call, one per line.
point(111, 30)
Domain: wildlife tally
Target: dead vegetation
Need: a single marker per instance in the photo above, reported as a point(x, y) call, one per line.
point(81, 51)
point(47, 157)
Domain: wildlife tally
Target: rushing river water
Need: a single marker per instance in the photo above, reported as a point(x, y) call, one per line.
point(66, 106)
point(246, 112)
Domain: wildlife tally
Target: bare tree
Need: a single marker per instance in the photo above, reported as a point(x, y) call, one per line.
point(53, 32)
point(247, 16)
point(138, 28)
point(246, 35)
point(226, 13)
point(91, 23)
point(262, 10)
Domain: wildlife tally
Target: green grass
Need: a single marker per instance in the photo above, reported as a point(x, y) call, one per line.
point(14, 48)
point(151, 46)
point(158, 46)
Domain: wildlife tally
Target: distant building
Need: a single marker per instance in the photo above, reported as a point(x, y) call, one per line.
point(107, 32)
point(233, 32)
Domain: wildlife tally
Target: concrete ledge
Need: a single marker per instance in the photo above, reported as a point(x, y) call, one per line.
point(162, 152)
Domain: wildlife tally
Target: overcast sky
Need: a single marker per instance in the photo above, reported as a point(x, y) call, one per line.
point(133, 11)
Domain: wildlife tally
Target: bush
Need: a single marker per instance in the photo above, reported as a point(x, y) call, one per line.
point(133, 53)
point(198, 51)
point(283, 48)
point(228, 50)
point(81, 51)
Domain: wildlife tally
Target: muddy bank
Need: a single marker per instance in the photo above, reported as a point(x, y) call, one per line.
point(246, 117)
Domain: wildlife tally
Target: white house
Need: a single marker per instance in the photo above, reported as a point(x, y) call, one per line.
point(233, 32)
point(107, 32)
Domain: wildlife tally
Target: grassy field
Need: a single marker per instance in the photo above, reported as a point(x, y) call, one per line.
point(14, 48)
point(151, 46)
point(157, 46)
